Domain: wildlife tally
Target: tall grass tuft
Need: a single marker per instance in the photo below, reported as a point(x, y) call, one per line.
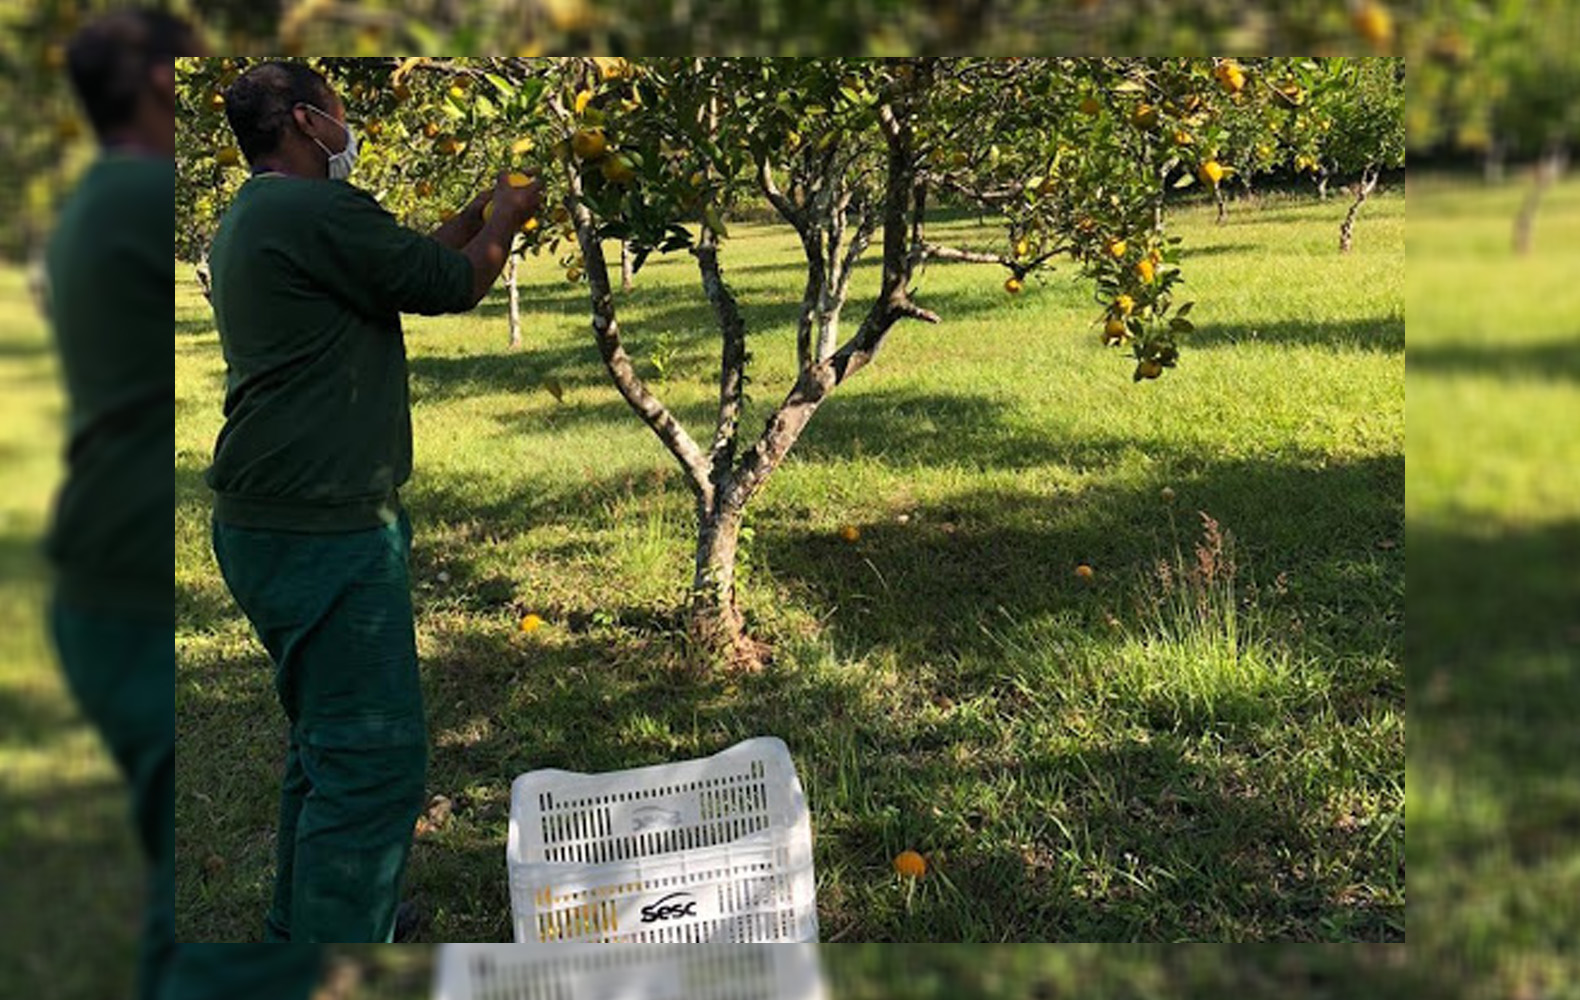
point(1205, 650)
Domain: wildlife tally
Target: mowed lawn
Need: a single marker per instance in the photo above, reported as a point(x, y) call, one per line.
point(1100, 759)
point(1494, 634)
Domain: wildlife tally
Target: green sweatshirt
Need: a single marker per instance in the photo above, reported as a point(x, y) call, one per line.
point(310, 278)
point(111, 537)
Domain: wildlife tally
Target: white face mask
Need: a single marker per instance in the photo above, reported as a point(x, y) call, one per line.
point(340, 163)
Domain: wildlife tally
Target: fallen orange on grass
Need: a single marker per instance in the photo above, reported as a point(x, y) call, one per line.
point(910, 864)
point(850, 533)
point(531, 623)
point(1083, 571)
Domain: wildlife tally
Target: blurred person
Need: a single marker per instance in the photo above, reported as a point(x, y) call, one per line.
point(108, 271)
point(309, 276)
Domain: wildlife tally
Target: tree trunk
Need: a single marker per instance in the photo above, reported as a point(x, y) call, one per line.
point(1223, 205)
point(1322, 184)
point(1362, 189)
point(625, 265)
point(515, 300)
point(1492, 163)
point(717, 625)
point(1543, 176)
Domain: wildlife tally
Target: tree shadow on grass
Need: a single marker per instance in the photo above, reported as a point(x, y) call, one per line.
point(73, 874)
point(603, 688)
point(201, 326)
point(1551, 361)
point(1493, 632)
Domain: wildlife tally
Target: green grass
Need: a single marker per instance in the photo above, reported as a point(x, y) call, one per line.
point(69, 868)
point(1494, 613)
point(1076, 760)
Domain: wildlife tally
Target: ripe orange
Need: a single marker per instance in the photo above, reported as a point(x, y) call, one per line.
point(1114, 331)
point(1145, 116)
point(1124, 305)
point(1211, 172)
point(531, 623)
point(1373, 22)
point(1145, 270)
point(1084, 571)
point(909, 864)
point(850, 533)
point(1148, 369)
point(1117, 248)
point(1013, 285)
point(1230, 76)
point(430, 129)
point(227, 156)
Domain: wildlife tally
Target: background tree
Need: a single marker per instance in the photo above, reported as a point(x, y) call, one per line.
point(1361, 125)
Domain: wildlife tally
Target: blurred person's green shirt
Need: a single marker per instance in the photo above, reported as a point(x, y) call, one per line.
point(309, 280)
point(109, 261)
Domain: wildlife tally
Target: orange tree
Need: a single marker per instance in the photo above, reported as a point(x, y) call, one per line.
point(1362, 131)
point(1074, 157)
point(46, 140)
point(806, 27)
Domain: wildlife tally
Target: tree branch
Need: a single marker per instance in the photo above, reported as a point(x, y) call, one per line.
point(732, 366)
point(606, 331)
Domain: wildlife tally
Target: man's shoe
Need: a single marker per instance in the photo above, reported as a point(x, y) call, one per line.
point(408, 922)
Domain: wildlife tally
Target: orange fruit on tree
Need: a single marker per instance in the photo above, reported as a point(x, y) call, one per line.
point(1117, 247)
point(589, 143)
point(1090, 106)
point(1013, 285)
point(1145, 270)
point(531, 623)
point(619, 169)
point(227, 156)
point(1230, 76)
point(1211, 172)
point(1124, 305)
point(1148, 369)
point(1114, 331)
point(1373, 22)
point(430, 129)
point(1145, 116)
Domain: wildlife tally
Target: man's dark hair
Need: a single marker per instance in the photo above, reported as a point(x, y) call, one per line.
point(259, 103)
point(109, 59)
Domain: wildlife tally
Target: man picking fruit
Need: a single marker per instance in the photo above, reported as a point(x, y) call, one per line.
point(310, 275)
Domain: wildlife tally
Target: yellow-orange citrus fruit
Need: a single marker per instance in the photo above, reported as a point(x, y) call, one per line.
point(1145, 270)
point(1012, 285)
point(909, 864)
point(1084, 571)
point(531, 623)
point(589, 143)
point(1211, 172)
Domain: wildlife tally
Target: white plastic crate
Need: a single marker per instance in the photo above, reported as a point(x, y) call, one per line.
point(711, 850)
point(653, 972)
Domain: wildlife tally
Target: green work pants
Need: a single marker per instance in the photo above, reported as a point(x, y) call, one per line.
point(121, 672)
point(243, 972)
point(334, 612)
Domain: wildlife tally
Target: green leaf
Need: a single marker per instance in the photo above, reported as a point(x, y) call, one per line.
point(1178, 325)
point(501, 84)
point(1185, 180)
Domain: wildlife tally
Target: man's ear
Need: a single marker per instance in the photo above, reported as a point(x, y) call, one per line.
point(162, 77)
